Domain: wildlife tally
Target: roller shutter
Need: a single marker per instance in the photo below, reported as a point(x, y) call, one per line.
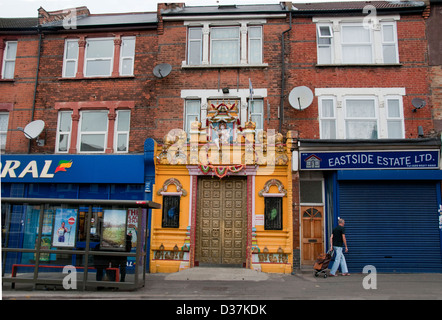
point(392, 225)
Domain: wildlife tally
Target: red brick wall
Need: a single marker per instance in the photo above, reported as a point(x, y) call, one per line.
point(20, 91)
point(412, 75)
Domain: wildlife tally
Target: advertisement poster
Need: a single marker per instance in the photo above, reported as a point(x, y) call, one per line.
point(114, 230)
point(65, 225)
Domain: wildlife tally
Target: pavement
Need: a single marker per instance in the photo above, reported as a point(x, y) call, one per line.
point(232, 284)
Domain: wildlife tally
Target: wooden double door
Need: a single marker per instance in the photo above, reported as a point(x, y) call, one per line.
point(221, 226)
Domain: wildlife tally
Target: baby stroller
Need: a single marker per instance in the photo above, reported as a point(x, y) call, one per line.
point(322, 263)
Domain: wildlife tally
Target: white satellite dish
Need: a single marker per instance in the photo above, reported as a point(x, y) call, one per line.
point(33, 129)
point(162, 70)
point(300, 97)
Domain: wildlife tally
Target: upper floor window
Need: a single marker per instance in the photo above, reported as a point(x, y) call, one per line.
point(352, 113)
point(9, 56)
point(343, 41)
point(4, 120)
point(232, 44)
point(64, 131)
point(96, 131)
point(96, 59)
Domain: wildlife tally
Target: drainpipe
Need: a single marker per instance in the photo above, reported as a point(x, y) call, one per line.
point(36, 81)
point(281, 108)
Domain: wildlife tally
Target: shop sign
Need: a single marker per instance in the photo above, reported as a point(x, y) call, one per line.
point(72, 168)
point(350, 160)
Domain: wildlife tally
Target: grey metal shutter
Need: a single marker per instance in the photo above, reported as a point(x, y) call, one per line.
point(393, 226)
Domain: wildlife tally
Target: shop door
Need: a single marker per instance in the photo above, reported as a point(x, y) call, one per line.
point(221, 222)
point(312, 233)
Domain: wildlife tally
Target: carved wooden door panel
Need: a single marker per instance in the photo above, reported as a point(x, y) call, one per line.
point(221, 221)
point(312, 233)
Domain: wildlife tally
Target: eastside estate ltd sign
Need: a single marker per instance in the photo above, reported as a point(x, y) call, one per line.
point(421, 159)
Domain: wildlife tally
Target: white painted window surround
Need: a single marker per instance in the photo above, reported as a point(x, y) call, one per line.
point(361, 113)
point(357, 40)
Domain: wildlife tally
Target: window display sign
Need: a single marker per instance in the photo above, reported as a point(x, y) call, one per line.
point(65, 226)
point(114, 230)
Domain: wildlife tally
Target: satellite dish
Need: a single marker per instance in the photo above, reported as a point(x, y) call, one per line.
point(33, 129)
point(300, 97)
point(162, 70)
point(418, 103)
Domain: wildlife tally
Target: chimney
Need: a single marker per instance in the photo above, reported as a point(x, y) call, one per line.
point(51, 16)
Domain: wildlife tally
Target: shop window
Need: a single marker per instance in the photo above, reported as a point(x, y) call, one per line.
point(273, 213)
point(171, 212)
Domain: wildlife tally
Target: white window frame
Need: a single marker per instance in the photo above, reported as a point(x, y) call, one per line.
point(187, 114)
point(10, 60)
point(390, 43)
point(108, 58)
point(206, 42)
point(66, 60)
point(375, 25)
point(80, 132)
point(322, 117)
point(64, 133)
point(118, 132)
point(249, 46)
point(400, 118)
point(237, 40)
point(381, 96)
point(375, 118)
point(131, 57)
point(4, 132)
point(199, 43)
point(351, 44)
point(260, 125)
point(323, 45)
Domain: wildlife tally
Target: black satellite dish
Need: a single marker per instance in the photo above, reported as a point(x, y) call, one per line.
point(418, 103)
point(162, 70)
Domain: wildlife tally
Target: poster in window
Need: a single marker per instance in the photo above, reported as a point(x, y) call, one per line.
point(114, 230)
point(65, 226)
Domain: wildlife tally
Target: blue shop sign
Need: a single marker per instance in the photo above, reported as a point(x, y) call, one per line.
point(413, 159)
point(72, 168)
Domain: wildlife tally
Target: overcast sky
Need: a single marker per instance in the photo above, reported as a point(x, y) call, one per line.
point(28, 8)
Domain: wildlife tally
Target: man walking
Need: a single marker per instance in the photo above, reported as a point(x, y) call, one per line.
point(338, 242)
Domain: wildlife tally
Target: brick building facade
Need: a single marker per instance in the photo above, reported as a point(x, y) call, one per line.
point(365, 66)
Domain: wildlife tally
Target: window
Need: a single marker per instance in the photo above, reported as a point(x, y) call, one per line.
point(9, 56)
point(4, 120)
point(340, 41)
point(93, 131)
point(122, 131)
point(325, 52)
point(328, 118)
point(98, 54)
point(361, 119)
point(127, 56)
point(99, 57)
point(273, 213)
point(257, 113)
point(192, 113)
point(195, 46)
point(361, 113)
point(395, 119)
point(255, 45)
point(225, 45)
point(70, 58)
point(64, 131)
point(171, 211)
